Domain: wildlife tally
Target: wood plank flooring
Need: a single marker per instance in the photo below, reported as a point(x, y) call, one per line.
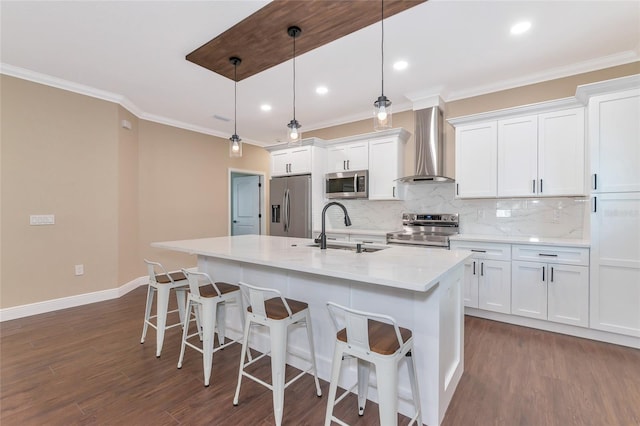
point(86, 365)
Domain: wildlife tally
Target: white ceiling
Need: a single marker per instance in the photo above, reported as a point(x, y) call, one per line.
point(134, 53)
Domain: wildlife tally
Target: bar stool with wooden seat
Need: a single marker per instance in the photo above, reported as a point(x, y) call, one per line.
point(372, 339)
point(163, 282)
point(278, 314)
point(206, 303)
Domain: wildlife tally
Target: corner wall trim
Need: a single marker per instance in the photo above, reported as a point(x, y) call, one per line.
point(16, 312)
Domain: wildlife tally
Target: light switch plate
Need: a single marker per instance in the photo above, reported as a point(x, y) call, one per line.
point(42, 219)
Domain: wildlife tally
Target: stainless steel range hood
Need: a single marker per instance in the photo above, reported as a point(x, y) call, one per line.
point(429, 147)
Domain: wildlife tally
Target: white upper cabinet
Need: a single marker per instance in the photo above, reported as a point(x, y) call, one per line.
point(614, 132)
point(348, 157)
point(518, 156)
point(476, 160)
point(386, 161)
point(561, 150)
point(291, 161)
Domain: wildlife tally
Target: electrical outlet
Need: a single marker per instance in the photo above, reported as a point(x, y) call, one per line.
point(79, 270)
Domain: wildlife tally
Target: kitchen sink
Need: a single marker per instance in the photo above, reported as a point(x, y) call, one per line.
point(350, 247)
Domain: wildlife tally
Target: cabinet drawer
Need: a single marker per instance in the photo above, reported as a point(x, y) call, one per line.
point(551, 254)
point(493, 251)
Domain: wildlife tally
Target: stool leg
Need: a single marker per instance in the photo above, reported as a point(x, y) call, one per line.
point(209, 323)
point(161, 318)
point(185, 331)
point(413, 379)
point(182, 302)
point(387, 376)
point(221, 322)
point(312, 352)
point(333, 384)
point(243, 353)
point(363, 384)
point(147, 311)
point(278, 332)
point(198, 314)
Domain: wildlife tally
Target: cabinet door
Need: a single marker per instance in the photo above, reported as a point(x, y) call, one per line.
point(561, 153)
point(385, 166)
point(518, 156)
point(336, 159)
point(615, 263)
point(529, 289)
point(300, 160)
point(476, 160)
point(494, 286)
point(280, 162)
point(568, 294)
point(470, 284)
point(358, 156)
point(614, 135)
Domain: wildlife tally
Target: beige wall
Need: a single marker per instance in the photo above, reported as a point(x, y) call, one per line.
point(59, 156)
point(112, 190)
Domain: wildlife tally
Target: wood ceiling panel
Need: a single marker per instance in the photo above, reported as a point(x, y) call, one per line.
point(261, 40)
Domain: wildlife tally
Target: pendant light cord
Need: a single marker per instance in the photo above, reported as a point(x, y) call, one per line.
point(235, 98)
point(382, 42)
point(294, 76)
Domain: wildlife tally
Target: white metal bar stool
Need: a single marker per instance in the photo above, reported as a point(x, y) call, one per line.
point(162, 282)
point(278, 314)
point(372, 339)
point(208, 300)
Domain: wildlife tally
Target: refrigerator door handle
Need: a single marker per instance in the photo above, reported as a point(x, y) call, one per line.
point(288, 210)
point(284, 210)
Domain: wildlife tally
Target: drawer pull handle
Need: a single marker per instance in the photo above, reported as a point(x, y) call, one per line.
point(547, 255)
point(479, 251)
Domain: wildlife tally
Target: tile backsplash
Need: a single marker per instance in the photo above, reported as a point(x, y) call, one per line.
point(531, 217)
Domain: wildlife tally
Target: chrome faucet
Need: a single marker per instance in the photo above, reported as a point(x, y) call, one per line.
point(323, 235)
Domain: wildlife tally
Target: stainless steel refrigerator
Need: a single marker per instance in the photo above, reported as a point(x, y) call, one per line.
point(290, 199)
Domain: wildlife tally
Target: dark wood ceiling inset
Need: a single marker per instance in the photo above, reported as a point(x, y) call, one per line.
point(261, 40)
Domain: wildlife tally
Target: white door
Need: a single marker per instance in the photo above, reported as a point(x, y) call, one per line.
point(518, 156)
point(529, 289)
point(470, 283)
point(246, 205)
point(476, 160)
point(384, 168)
point(494, 286)
point(568, 294)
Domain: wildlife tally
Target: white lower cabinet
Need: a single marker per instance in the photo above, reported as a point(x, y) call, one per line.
point(487, 277)
point(555, 287)
point(553, 292)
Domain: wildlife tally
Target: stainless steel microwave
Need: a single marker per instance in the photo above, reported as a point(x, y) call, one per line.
point(351, 184)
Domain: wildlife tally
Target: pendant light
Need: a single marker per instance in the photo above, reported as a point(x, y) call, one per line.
point(382, 107)
point(294, 135)
point(235, 148)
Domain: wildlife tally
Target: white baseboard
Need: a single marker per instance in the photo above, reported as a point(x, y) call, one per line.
point(16, 312)
point(585, 333)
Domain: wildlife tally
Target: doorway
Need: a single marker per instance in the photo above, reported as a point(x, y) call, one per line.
point(246, 204)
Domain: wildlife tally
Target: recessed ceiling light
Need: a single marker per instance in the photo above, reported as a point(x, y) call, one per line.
point(400, 65)
point(265, 107)
point(322, 90)
point(521, 27)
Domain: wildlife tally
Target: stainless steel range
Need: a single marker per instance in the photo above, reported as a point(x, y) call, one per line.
point(426, 230)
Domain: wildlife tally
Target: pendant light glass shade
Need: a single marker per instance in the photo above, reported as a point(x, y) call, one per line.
point(235, 147)
point(294, 135)
point(382, 106)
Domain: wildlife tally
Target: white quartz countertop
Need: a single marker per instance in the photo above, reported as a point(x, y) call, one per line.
point(410, 268)
point(542, 241)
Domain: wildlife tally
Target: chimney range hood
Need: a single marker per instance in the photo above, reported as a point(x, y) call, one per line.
point(429, 148)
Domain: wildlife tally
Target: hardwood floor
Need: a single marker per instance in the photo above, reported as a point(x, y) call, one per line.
point(86, 365)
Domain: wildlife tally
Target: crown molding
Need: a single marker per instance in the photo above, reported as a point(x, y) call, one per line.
point(104, 95)
point(621, 58)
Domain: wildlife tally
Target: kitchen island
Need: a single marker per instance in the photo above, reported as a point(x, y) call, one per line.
point(421, 288)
